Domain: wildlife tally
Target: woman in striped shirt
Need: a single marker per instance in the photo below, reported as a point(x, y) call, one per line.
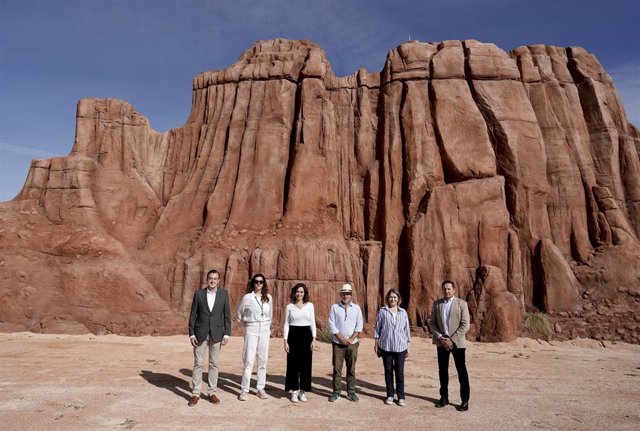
point(392, 339)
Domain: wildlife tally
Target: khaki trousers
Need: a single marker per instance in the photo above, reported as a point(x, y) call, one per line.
point(199, 353)
point(340, 355)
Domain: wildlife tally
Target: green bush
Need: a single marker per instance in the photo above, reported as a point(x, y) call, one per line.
point(538, 324)
point(324, 336)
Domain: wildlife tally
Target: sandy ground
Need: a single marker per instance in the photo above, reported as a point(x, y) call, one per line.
point(70, 382)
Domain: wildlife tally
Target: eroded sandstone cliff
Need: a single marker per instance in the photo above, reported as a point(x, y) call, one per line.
point(515, 174)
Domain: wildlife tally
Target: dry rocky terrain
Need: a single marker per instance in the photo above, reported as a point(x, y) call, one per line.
point(88, 382)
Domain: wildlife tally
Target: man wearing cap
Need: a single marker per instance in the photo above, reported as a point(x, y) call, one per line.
point(449, 323)
point(345, 323)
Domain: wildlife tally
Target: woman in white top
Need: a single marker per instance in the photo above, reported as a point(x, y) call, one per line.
point(255, 312)
point(299, 335)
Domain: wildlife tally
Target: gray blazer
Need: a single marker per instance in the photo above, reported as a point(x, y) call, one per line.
point(458, 321)
point(216, 323)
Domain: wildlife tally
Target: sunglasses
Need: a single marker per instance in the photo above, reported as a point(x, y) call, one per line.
point(345, 293)
point(258, 281)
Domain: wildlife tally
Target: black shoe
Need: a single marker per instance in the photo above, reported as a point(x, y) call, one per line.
point(443, 402)
point(464, 406)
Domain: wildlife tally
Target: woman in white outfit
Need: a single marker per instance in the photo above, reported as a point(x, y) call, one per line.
point(255, 312)
point(299, 335)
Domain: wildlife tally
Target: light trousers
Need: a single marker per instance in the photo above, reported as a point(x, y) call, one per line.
point(199, 353)
point(256, 343)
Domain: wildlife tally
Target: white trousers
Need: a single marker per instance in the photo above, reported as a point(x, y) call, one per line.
point(256, 342)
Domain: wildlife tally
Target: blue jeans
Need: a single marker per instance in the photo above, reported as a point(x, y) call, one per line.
point(393, 362)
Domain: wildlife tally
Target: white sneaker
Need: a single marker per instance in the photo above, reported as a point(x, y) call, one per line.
point(389, 401)
point(294, 396)
point(242, 396)
point(401, 402)
point(262, 394)
point(302, 397)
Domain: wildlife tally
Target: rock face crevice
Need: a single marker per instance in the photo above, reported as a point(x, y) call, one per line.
point(515, 174)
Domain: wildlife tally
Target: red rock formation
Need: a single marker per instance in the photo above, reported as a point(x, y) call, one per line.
point(515, 174)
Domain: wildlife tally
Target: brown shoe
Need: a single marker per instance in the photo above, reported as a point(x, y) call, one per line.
point(213, 399)
point(194, 400)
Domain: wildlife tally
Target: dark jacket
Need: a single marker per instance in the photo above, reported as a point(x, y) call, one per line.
point(216, 323)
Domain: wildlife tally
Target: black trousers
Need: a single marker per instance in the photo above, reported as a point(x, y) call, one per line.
point(299, 359)
point(461, 367)
point(393, 362)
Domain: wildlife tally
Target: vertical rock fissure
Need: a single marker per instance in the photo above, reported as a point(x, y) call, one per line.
point(293, 138)
point(404, 249)
point(376, 220)
point(497, 138)
point(205, 118)
point(237, 167)
point(446, 162)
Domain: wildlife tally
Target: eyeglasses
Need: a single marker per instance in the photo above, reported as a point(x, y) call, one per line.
point(258, 281)
point(345, 293)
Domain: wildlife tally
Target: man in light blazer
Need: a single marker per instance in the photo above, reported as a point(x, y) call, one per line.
point(449, 323)
point(209, 330)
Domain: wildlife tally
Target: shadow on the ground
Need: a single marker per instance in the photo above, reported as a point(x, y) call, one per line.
point(167, 381)
point(230, 383)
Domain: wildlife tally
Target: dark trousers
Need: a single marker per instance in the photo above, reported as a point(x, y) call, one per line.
point(461, 367)
point(340, 355)
point(394, 363)
point(299, 359)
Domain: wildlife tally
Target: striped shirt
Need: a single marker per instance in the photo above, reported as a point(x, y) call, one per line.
point(392, 331)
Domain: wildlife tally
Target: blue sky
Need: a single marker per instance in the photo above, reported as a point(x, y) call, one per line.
point(53, 53)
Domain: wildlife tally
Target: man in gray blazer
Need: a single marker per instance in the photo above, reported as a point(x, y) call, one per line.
point(209, 330)
point(449, 323)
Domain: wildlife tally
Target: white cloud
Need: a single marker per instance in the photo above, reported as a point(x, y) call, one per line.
point(14, 167)
point(627, 81)
point(25, 151)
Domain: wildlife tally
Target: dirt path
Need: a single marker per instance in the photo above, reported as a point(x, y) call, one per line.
point(69, 382)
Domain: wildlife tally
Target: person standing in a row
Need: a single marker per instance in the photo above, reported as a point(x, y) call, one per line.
point(299, 336)
point(392, 338)
point(255, 312)
point(345, 324)
point(209, 330)
point(449, 324)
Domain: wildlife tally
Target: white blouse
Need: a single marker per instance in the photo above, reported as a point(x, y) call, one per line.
point(252, 309)
point(294, 316)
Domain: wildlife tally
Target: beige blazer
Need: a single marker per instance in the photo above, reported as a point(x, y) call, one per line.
point(458, 321)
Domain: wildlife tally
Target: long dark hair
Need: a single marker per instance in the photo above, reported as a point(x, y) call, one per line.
point(265, 289)
point(305, 299)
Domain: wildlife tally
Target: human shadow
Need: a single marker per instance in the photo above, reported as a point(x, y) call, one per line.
point(169, 382)
point(230, 383)
point(367, 389)
point(227, 382)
